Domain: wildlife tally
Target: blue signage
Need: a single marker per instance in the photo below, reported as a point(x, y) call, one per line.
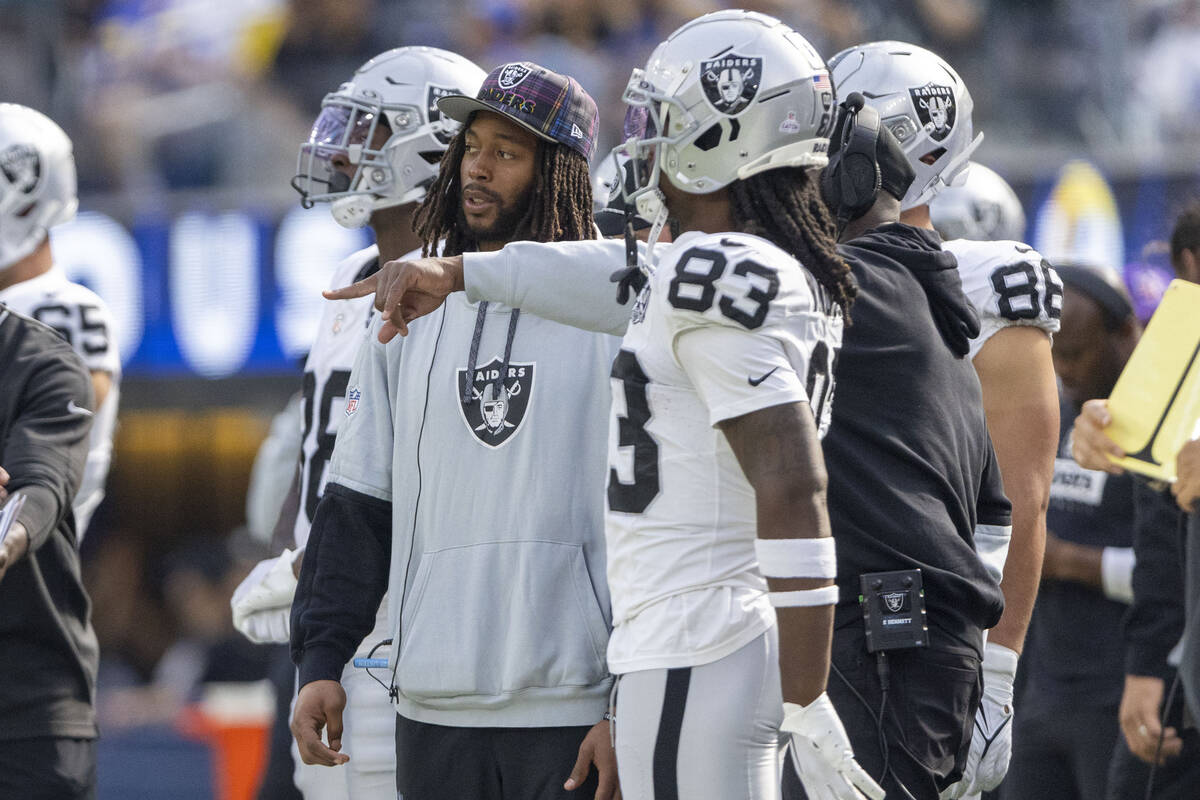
point(209, 294)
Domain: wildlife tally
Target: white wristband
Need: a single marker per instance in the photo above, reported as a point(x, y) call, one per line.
point(1116, 573)
point(797, 558)
point(825, 596)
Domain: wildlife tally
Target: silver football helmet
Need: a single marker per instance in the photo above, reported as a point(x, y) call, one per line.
point(726, 96)
point(380, 137)
point(983, 208)
point(922, 101)
point(37, 180)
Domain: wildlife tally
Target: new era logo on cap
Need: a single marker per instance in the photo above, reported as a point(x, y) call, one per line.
point(551, 105)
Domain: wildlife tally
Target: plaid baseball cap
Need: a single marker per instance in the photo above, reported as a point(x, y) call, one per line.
point(550, 105)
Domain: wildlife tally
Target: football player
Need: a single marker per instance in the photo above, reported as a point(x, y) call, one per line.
point(373, 151)
point(926, 106)
point(983, 208)
point(719, 551)
point(37, 192)
point(465, 477)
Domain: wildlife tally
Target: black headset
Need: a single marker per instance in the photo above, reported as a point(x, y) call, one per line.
point(851, 181)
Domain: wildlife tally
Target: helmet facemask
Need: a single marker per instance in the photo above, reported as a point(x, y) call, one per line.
point(646, 121)
point(403, 162)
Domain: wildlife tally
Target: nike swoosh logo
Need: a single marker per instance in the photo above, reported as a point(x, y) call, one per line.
point(83, 412)
point(757, 381)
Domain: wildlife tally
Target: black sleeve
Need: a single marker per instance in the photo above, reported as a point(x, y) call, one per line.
point(342, 580)
point(992, 506)
point(1154, 621)
point(47, 444)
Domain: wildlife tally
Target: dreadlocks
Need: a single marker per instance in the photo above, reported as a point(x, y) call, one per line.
point(784, 207)
point(559, 207)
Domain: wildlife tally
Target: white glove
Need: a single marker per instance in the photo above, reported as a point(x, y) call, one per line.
point(991, 743)
point(822, 754)
point(262, 603)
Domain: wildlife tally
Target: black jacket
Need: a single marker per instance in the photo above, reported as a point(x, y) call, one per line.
point(911, 467)
point(48, 651)
point(1155, 619)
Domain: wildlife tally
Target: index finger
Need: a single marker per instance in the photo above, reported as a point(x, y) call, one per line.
point(402, 280)
point(3, 476)
point(358, 289)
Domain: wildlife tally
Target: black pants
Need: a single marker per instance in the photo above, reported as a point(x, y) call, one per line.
point(436, 762)
point(932, 697)
point(48, 768)
point(1060, 754)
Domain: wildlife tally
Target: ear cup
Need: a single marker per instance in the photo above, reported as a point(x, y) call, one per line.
point(851, 181)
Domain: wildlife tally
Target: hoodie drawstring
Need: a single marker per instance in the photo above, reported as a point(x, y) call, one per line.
point(473, 358)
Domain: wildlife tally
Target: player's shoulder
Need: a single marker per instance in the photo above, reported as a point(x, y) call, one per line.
point(981, 256)
point(1008, 283)
point(734, 279)
point(51, 288)
point(76, 294)
point(721, 259)
point(348, 269)
point(731, 247)
point(34, 339)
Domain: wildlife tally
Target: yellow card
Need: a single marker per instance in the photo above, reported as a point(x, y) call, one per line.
point(1155, 405)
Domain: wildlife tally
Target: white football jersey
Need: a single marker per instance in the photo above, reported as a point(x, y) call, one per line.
point(729, 324)
point(326, 377)
point(1008, 283)
point(83, 319)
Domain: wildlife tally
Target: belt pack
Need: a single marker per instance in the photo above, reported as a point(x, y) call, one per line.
point(893, 607)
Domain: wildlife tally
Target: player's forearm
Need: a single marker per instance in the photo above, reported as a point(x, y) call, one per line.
point(1029, 492)
point(805, 632)
point(1073, 563)
point(779, 453)
point(566, 282)
point(1022, 574)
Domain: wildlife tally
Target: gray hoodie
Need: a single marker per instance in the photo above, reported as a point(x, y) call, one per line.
point(497, 509)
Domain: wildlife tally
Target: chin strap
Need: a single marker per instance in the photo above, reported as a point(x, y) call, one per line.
point(352, 212)
point(632, 278)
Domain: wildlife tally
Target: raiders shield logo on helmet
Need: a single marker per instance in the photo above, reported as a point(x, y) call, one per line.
point(21, 167)
point(497, 406)
point(731, 81)
point(512, 74)
point(443, 127)
point(935, 109)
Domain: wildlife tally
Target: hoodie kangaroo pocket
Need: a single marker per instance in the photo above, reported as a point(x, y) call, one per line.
point(489, 620)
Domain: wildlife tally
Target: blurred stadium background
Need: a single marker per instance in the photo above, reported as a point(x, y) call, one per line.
point(186, 117)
